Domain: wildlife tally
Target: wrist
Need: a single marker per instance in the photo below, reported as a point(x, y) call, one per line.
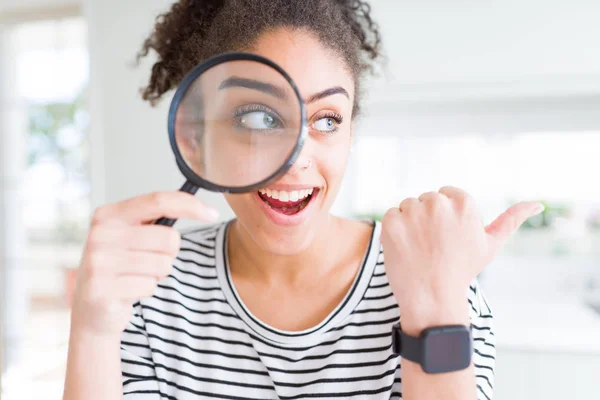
point(420, 315)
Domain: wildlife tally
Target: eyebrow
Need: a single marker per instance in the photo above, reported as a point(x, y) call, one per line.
point(276, 91)
point(327, 93)
point(264, 87)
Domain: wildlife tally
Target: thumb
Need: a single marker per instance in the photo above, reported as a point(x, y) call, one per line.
point(509, 221)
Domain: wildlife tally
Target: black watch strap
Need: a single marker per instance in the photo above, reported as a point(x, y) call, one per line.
point(408, 346)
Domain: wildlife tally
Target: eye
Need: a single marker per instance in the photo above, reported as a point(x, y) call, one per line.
point(259, 120)
point(257, 117)
point(328, 123)
point(325, 124)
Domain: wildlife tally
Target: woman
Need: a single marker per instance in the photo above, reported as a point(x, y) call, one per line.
point(286, 301)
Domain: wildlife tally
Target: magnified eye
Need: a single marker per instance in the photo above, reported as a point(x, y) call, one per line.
point(258, 118)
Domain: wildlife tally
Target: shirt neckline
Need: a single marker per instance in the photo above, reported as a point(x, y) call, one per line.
point(310, 335)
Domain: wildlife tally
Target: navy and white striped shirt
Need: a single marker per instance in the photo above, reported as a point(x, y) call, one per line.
point(195, 339)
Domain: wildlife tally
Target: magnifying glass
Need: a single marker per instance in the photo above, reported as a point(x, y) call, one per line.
point(236, 123)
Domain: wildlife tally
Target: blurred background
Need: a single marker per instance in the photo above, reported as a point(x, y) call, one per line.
point(499, 98)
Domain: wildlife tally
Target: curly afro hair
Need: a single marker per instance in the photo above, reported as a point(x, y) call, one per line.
point(194, 30)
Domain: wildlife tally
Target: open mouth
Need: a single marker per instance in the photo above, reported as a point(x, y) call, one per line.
point(287, 202)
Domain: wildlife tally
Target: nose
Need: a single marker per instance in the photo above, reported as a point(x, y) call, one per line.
point(304, 162)
point(301, 165)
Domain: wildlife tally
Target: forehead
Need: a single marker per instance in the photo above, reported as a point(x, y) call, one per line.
point(312, 66)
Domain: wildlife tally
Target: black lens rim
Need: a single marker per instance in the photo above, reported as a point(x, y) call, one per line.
point(187, 81)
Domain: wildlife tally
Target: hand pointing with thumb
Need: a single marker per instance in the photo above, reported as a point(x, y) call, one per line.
point(436, 245)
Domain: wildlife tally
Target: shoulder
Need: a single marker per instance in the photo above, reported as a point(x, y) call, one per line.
point(204, 234)
point(198, 252)
point(198, 246)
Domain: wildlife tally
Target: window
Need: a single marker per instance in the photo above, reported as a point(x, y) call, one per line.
point(50, 64)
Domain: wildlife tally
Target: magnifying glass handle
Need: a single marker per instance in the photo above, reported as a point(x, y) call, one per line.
point(187, 187)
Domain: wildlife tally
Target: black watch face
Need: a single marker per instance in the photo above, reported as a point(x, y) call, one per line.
point(446, 349)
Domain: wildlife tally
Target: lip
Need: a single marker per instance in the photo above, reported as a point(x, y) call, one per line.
point(288, 220)
point(289, 188)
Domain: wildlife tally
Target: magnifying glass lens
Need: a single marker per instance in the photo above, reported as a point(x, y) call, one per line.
point(238, 123)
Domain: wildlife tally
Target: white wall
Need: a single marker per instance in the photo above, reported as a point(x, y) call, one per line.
point(490, 67)
point(439, 52)
point(443, 44)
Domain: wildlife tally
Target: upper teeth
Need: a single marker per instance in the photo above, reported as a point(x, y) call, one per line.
point(284, 195)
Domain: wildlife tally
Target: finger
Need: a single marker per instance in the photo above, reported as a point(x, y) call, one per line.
point(453, 192)
point(500, 230)
point(149, 207)
point(407, 204)
point(392, 221)
point(149, 238)
point(461, 200)
point(134, 287)
point(433, 200)
point(145, 264)
point(391, 215)
point(429, 196)
point(123, 262)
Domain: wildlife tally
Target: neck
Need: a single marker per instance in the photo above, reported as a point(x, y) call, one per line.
point(253, 262)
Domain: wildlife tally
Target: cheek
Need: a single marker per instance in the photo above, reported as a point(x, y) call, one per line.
point(333, 163)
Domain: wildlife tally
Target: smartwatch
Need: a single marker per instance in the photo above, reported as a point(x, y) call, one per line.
point(438, 349)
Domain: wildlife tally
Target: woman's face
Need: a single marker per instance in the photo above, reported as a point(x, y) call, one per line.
point(285, 217)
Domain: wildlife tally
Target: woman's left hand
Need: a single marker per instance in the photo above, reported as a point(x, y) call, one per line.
point(435, 246)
